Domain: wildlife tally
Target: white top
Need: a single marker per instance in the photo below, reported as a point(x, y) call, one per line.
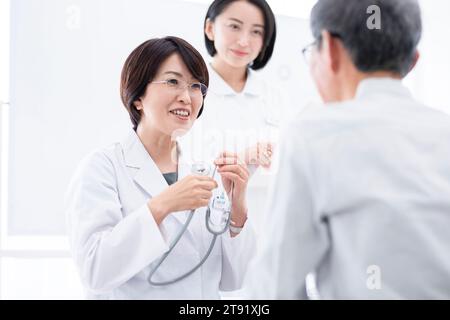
point(363, 198)
point(115, 240)
point(234, 121)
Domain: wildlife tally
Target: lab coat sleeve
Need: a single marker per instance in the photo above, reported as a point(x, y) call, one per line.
point(294, 238)
point(236, 254)
point(108, 247)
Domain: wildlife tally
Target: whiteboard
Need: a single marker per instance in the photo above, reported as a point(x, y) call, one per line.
point(66, 59)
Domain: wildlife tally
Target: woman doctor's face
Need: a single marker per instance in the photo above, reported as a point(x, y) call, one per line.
point(172, 100)
point(238, 33)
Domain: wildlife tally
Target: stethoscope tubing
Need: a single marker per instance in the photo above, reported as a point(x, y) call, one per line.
point(180, 234)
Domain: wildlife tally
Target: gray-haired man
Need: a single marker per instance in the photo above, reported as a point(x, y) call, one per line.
point(363, 191)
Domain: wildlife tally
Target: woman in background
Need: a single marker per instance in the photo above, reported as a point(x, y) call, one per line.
point(244, 110)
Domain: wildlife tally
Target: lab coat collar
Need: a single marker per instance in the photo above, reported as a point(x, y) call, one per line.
point(217, 84)
point(144, 170)
point(390, 86)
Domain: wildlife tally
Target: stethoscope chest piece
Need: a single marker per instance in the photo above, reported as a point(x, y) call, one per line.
point(217, 221)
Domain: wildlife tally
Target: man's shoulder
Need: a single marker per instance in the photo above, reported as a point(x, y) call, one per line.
point(318, 119)
point(324, 120)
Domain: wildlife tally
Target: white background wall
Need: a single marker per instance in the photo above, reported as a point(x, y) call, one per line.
point(65, 70)
point(63, 88)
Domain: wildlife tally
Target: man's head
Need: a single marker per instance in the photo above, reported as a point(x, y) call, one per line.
point(356, 39)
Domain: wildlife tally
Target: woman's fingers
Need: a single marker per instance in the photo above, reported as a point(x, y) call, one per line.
point(227, 157)
point(208, 184)
point(265, 160)
point(236, 178)
point(205, 194)
point(265, 151)
point(260, 154)
point(202, 203)
point(228, 154)
point(203, 178)
point(236, 169)
point(227, 160)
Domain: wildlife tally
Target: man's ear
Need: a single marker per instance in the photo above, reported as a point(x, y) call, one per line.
point(415, 60)
point(209, 29)
point(330, 51)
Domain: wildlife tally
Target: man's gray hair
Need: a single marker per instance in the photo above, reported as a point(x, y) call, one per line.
point(391, 47)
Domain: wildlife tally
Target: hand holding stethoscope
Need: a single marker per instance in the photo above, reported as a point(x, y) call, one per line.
point(235, 176)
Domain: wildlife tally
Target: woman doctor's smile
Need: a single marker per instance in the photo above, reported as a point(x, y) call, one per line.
point(172, 100)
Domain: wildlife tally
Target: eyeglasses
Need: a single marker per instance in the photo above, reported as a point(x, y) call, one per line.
point(307, 51)
point(196, 89)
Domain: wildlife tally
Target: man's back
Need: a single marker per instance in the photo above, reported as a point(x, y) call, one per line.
point(362, 197)
point(383, 165)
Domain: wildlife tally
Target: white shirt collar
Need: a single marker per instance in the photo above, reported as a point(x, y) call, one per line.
point(385, 85)
point(217, 84)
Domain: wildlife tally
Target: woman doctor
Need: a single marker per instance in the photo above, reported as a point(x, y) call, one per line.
point(126, 203)
point(244, 109)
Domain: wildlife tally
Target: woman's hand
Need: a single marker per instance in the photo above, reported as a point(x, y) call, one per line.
point(235, 177)
point(189, 193)
point(259, 154)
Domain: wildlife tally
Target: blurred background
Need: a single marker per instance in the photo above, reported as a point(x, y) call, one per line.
point(60, 63)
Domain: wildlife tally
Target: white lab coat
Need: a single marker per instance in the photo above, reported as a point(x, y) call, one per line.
point(235, 121)
point(115, 239)
point(363, 198)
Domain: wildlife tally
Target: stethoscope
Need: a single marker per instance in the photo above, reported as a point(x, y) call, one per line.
point(220, 203)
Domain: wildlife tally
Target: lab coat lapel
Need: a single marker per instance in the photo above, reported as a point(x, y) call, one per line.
point(142, 167)
point(184, 168)
point(146, 174)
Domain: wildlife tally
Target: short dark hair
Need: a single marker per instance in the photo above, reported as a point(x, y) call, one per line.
point(143, 64)
point(270, 29)
point(391, 48)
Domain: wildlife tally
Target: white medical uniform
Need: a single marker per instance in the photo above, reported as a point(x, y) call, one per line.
point(234, 121)
point(363, 198)
point(115, 240)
